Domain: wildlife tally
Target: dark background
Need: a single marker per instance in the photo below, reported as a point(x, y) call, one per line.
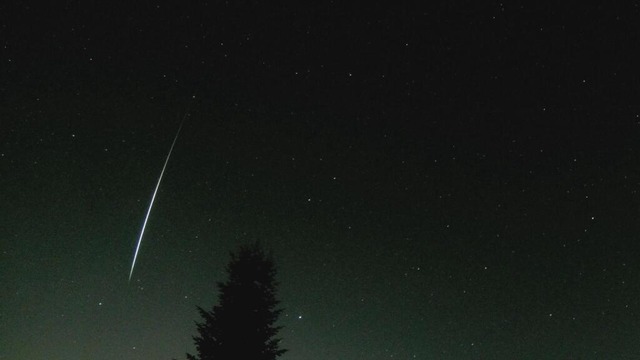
point(450, 180)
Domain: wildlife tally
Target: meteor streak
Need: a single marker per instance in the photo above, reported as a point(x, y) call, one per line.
point(153, 198)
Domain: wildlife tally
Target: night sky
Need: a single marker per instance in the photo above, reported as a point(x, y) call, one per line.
point(437, 181)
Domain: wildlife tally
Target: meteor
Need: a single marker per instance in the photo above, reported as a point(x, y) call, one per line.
point(153, 198)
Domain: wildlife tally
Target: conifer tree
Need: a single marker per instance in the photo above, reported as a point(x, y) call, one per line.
point(242, 324)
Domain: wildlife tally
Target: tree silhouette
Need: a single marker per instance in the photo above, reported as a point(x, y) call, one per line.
point(242, 325)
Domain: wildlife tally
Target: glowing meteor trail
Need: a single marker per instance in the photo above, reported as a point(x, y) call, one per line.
point(153, 198)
